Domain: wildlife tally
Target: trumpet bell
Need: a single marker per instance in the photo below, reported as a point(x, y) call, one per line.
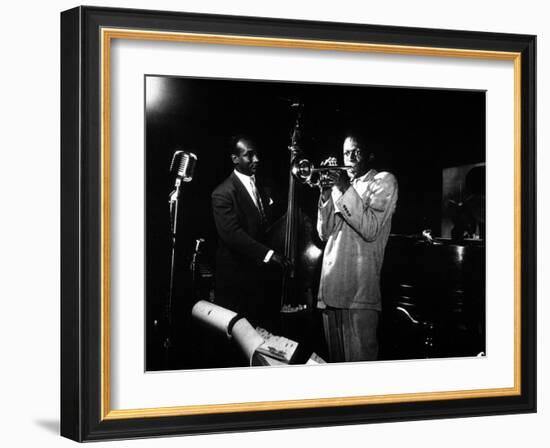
point(303, 170)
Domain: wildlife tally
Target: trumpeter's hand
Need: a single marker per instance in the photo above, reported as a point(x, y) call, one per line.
point(340, 180)
point(326, 182)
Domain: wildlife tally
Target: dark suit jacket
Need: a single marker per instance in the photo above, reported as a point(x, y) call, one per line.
point(241, 274)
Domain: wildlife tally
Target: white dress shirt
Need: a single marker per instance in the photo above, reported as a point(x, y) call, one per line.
point(250, 184)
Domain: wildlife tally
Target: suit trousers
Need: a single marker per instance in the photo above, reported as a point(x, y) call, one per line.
point(351, 334)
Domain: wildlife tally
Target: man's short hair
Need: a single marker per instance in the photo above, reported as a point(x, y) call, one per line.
point(234, 148)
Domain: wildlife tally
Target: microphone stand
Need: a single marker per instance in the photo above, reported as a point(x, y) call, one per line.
point(182, 166)
point(174, 200)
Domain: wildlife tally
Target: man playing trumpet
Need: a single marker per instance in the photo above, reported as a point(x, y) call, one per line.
point(355, 210)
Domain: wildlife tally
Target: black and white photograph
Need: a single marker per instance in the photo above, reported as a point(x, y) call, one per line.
point(311, 223)
point(284, 222)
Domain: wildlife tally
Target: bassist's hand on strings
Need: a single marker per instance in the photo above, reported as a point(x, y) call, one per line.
point(281, 261)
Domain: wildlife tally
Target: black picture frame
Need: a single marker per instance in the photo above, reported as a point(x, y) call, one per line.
point(83, 407)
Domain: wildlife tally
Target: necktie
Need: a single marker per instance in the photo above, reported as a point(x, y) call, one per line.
point(257, 198)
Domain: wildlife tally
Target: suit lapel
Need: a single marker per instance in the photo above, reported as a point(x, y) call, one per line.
point(245, 196)
point(264, 198)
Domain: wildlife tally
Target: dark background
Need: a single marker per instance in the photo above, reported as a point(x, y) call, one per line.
point(414, 133)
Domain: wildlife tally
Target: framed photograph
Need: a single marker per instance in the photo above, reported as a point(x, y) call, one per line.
point(275, 224)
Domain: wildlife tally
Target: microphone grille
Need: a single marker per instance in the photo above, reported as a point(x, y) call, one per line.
point(183, 165)
point(186, 167)
point(176, 159)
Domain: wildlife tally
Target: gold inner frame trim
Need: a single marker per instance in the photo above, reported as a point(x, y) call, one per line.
point(107, 35)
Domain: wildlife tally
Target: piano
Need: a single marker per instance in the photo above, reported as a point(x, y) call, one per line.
point(433, 298)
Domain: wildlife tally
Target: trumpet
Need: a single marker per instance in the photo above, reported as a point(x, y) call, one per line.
point(305, 172)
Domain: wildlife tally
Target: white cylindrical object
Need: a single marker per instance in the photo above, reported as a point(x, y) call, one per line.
point(213, 315)
point(246, 337)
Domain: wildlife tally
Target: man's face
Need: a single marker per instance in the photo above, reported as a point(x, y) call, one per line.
point(354, 157)
point(247, 161)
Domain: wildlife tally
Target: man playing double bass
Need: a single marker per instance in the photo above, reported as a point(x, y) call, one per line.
point(354, 218)
point(241, 210)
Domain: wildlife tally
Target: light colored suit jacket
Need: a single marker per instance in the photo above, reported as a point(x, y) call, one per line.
point(356, 227)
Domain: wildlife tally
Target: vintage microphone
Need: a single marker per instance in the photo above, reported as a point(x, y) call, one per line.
point(183, 168)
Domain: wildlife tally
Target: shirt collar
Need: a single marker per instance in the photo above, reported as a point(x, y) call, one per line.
point(364, 177)
point(243, 177)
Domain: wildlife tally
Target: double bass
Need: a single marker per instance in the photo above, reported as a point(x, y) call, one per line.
point(294, 235)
